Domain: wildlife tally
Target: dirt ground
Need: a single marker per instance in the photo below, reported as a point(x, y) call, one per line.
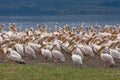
point(95, 62)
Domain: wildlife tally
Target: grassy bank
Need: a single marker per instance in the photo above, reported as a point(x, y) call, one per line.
point(43, 72)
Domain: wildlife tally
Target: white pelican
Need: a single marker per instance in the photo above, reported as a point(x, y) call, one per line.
point(19, 48)
point(1, 39)
point(96, 47)
point(2, 27)
point(117, 49)
point(77, 59)
point(57, 54)
point(88, 50)
point(30, 51)
point(78, 52)
point(35, 46)
point(13, 55)
point(114, 53)
point(107, 58)
point(47, 53)
point(5, 35)
point(57, 42)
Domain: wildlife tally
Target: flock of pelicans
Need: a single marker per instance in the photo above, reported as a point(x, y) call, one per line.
point(81, 44)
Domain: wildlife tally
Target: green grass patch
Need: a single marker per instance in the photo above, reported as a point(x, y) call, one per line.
point(47, 72)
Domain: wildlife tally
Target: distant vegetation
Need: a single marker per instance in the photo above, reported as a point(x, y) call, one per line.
point(59, 7)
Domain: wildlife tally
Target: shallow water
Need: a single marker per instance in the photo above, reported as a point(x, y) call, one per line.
point(76, 20)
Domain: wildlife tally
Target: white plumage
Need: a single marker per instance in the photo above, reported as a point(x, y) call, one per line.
point(107, 58)
point(57, 42)
point(30, 51)
point(115, 53)
point(96, 48)
point(58, 55)
point(117, 49)
point(77, 59)
point(19, 49)
point(79, 52)
point(88, 50)
point(46, 53)
point(13, 55)
point(35, 46)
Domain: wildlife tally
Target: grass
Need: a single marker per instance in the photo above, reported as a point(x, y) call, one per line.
point(47, 72)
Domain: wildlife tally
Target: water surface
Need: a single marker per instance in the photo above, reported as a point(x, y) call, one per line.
point(76, 20)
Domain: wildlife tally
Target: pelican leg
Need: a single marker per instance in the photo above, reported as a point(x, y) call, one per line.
point(86, 57)
point(20, 62)
point(117, 60)
point(111, 65)
point(105, 64)
point(55, 59)
point(97, 54)
point(75, 64)
point(80, 65)
point(6, 60)
point(31, 57)
point(46, 59)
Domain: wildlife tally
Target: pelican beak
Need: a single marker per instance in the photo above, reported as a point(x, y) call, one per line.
point(73, 50)
point(102, 42)
point(117, 43)
point(17, 40)
point(45, 28)
point(2, 27)
point(11, 45)
point(99, 29)
point(77, 39)
point(80, 28)
point(50, 39)
point(101, 49)
point(53, 47)
point(25, 41)
point(7, 52)
point(83, 41)
point(114, 37)
point(19, 29)
point(12, 29)
point(43, 45)
point(105, 30)
point(1, 49)
point(44, 38)
point(112, 45)
point(63, 40)
point(60, 35)
point(68, 29)
point(88, 41)
point(70, 44)
point(5, 42)
point(71, 35)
